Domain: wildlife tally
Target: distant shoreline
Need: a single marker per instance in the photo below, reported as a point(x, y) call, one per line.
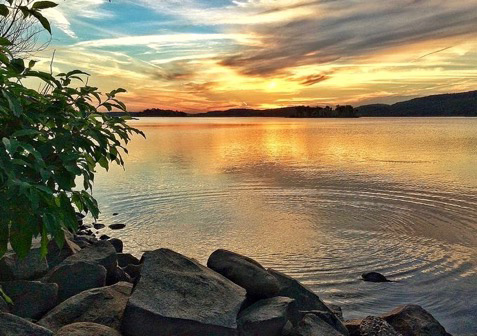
point(445, 105)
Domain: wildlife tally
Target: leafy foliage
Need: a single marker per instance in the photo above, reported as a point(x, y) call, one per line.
point(50, 139)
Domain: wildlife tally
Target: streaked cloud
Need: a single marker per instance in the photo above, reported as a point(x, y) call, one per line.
point(200, 55)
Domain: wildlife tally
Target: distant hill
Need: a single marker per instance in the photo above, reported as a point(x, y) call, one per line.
point(454, 104)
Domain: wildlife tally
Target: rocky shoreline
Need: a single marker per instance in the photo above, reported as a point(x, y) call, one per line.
point(90, 287)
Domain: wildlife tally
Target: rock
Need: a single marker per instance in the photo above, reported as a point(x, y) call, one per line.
point(99, 226)
point(376, 326)
point(86, 329)
point(115, 214)
point(329, 318)
point(101, 253)
point(413, 320)
point(12, 325)
point(117, 244)
point(125, 259)
point(31, 299)
point(100, 305)
point(56, 255)
point(374, 277)
point(104, 237)
point(133, 271)
point(245, 272)
point(117, 226)
point(312, 325)
point(287, 329)
point(119, 276)
point(266, 317)
point(335, 309)
point(177, 296)
point(353, 327)
point(305, 299)
point(75, 277)
point(33, 266)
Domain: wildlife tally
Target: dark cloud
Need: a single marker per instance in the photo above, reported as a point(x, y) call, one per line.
point(353, 28)
point(313, 79)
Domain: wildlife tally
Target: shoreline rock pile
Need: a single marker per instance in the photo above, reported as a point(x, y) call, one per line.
point(90, 287)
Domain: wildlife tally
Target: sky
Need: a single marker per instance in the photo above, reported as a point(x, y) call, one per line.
point(200, 55)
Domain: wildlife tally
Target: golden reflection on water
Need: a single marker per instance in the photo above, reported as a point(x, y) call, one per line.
point(323, 200)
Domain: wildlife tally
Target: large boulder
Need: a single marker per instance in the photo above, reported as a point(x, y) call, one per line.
point(75, 277)
point(413, 320)
point(245, 272)
point(33, 266)
point(100, 305)
point(117, 244)
point(313, 325)
point(86, 329)
point(177, 296)
point(101, 253)
point(304, 297)
point(266, 317)
point(56, 254)
point(31, 299)
point(376, 326)
point(353, 327)
point(12, 325)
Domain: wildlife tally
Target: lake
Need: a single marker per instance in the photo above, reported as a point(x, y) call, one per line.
point(322, 200)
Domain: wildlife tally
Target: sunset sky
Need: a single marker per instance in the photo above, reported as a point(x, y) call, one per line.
point(197, 55)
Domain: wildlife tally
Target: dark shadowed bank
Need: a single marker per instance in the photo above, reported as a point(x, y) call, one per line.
point(90, 287)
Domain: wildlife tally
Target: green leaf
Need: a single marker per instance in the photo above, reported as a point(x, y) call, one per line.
point(44, 22)
point(21, 236)
point(4, 235)
point(5, 296)
point(5, 42)
point(44, 4)
point(4, 10)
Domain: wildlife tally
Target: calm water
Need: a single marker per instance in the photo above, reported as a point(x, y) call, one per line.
point(322, 200)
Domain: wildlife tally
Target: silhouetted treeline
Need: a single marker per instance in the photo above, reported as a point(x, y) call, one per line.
point(456, 104)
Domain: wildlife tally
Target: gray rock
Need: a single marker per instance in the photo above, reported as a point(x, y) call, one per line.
point(353, 327)
point(75, 277)
point(125, 259)
point(134, 271)
point(305, 299)
point(336, 310)
point(376, 326)
point(117, 244)
point(101, 253)
point(266, 317)
point(413, 320)
point(86, 329)
point(33, 266)
point(245, 272)
point(329, 318)
point(31, 299)
point(100, 305)
point(12, 325)
point(56, 254)
point(117, 226)
point(313, 325)
point(119, 276)
point(177, 296)
point(374, 277)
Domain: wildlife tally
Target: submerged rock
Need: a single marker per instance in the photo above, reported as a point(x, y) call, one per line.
point(177, 296)
point(31, 299)
point(117, 226)
point(245, 272)
point(86, 329)
point(12, 325)
point(374, 277)
point(413, 320)
point(100, 305)
point(266, 317)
